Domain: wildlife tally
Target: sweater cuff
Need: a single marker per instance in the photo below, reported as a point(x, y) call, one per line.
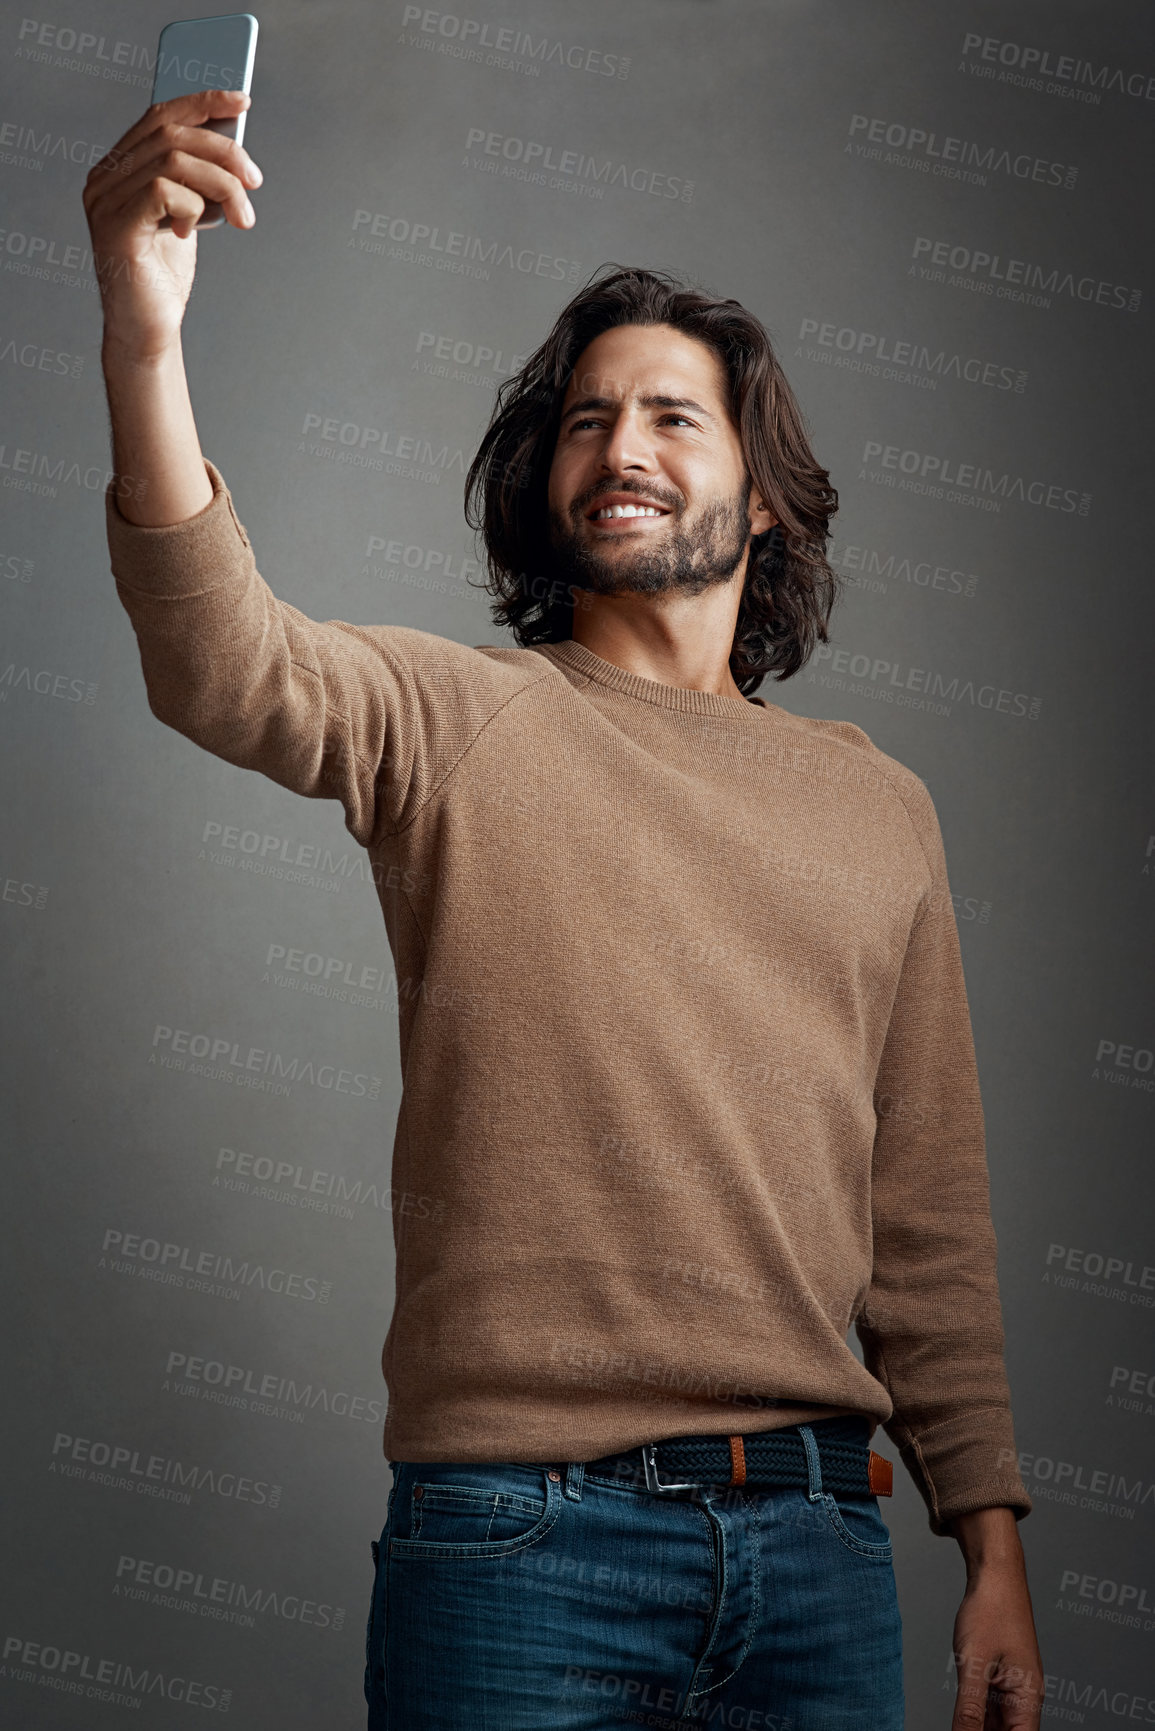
point(206, 551)
point(970, 1462)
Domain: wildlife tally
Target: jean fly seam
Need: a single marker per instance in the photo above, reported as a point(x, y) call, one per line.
point(756, 1598)
point(718, 1555)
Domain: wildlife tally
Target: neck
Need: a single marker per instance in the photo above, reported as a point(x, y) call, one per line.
point(675, 639)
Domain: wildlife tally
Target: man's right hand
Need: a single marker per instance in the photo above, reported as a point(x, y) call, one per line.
point(167, 164)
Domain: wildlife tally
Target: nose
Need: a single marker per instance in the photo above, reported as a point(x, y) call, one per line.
point(627, 447)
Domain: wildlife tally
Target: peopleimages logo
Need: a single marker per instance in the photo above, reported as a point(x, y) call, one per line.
point(176, 1588)
point(615, 1372)
point(315, 1190)
point(42, 144)
point(950, 158)
point(115, 1681)
point(872, 569)
point(51, 260)
point(1117, 1273)
point(1124, 1066)
point(44, 473)
point(39, 358)
point(82, 51)
point(1013, 279)
point(413, 454)
point(540, 160)
point(1130, 1605)
point(174, 1264)
point(292, 861)
point(504, 46)
point(461, 254)
point(45, 682)
point(455, 358)
point(1074, 1482)
point(222, 1059)
point(1140, 1386)
point(120, 1467)
point(23, 893)
point(1068, 75)
point(906, 361)
point(1099, 1697)
point(943, 477)
point(425, 562)
point(268, 1393)
point(884, 680)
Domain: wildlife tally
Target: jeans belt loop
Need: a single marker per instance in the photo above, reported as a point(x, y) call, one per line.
point(813, 1463)
point(574, 1473)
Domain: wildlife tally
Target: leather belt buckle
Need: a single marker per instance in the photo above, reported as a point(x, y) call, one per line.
point(650, 1465)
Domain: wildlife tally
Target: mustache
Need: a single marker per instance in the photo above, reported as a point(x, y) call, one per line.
point(646, 495)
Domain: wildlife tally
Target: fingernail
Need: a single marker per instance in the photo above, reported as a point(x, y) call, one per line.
point(255, 174)
point(248, 212)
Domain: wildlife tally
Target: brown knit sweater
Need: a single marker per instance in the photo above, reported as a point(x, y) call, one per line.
point(687, 1056)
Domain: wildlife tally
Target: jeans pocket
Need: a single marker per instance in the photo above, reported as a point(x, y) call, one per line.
point(458, 1511)
point(857, 1522)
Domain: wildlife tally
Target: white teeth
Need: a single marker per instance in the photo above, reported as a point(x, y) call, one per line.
point(627, 511)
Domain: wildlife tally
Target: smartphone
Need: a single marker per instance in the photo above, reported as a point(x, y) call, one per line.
point(207, 54)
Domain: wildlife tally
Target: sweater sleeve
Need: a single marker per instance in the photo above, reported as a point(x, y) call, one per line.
point(375, 716)
point(931, 1328)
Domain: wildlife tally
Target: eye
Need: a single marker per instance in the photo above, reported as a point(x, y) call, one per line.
point(671, 416)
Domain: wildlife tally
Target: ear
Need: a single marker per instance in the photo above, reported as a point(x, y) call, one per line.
point(761, 516)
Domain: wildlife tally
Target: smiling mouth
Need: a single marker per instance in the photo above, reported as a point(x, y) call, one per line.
point(615, 513)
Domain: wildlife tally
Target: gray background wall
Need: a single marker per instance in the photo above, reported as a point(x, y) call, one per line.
point(993, 637)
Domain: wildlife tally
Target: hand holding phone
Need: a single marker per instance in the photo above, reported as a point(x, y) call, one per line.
point(179, 168)
point(196, 54)
point(169, 164)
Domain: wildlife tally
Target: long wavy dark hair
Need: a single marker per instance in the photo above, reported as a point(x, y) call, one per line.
point(789, 589)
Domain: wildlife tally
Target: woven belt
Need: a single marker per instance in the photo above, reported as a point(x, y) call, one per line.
point(769, 1457)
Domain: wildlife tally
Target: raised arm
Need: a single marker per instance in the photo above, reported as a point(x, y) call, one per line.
point(324, 708)
point(375, 716)
point(168, 164)
point(242, 674)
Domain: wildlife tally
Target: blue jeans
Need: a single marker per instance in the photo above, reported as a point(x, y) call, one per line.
point(510, 1597)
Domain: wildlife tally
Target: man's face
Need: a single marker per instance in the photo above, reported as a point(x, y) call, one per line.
point(648, 489)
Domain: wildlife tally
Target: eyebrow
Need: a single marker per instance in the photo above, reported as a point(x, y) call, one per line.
point(652, 402)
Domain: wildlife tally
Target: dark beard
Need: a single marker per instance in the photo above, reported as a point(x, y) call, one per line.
point(687, 561)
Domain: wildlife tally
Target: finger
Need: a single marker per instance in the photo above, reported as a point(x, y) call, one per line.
point(991, 1698)
point(206, 177)
point(176, 168)
point(1018, 1705)
point(192, 109)
point(113, 170)
point(970, 1706)
point(970, 1710)
point(170, 198)
point(158, 151)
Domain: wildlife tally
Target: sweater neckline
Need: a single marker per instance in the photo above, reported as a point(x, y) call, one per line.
point(608, 673)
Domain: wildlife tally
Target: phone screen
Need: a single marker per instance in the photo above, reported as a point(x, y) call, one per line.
point(207, 54)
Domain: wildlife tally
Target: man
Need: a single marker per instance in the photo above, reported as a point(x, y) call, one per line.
point(688, 1070)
